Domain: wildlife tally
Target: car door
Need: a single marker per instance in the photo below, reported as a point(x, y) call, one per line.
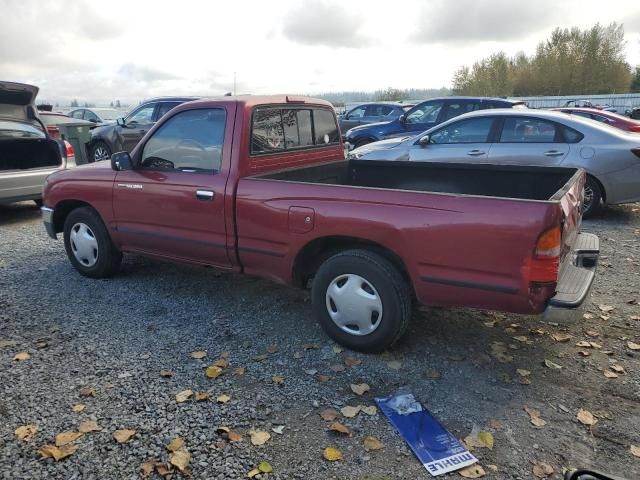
point(136, 124)
point(420, 118)
point(353, 118)
point(464, 141)
point(173, 203)
point(529, 140)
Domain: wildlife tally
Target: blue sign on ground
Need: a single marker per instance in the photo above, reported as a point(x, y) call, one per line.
point(438, 450)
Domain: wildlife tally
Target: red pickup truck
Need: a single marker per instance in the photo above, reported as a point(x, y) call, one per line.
point(260, 185)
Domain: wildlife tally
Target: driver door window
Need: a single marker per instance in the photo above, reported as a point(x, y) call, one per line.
point(467, 131)
point(190, 141)
point(357, 113)
point(427, 113)
point(142, 116)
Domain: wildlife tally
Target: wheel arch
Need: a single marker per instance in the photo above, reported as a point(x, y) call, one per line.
point(603, 191)
point(314, 253)
point(62, 211)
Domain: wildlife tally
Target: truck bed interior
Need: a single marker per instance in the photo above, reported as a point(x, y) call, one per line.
point(24, 154)
point(533, 183)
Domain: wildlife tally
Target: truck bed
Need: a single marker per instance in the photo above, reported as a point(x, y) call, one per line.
point(504, 181)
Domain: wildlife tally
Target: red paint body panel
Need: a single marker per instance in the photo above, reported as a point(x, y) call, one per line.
point(613, 119)
point(259, 226)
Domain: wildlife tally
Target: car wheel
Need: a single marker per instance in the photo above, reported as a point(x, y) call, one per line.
point(360, 143)
point(361, 300)
point(99, 151)
point(88, 244)
point(592, 197)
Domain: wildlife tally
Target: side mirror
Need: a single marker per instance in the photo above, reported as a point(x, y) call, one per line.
point(121, 161)
point(120, 121)
point(402, 118)
point(424, 140)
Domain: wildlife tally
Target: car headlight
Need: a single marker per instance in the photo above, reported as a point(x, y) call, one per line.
point(355, 155)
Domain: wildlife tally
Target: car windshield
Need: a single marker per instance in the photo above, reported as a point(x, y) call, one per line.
point(19, 130)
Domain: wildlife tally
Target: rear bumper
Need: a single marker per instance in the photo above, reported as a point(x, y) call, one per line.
point(575, 281)
point(47, 219)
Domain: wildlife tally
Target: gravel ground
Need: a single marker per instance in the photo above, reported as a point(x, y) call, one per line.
point(117, 335)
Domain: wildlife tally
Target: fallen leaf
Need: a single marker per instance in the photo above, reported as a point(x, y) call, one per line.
point(607, 352)
point(7, 343)
point(370, 410)
point(592, 333)
point(87, 392)
point(332, 454)
point(472, 471)
point(272, 349)
point(523, 373)
point(561, 337)
point(337, 349)
point(234, 436)
point(521, 338)
point(329, 414)
point(198, 355)
point(340, 428)
point(606, 308)
point(633, 346)
point(26, 432)
point(595, 345)
point(479, 439)
point(239, 371)
point(323, 378)
point(176, 444)
point(542, 470)
point(164, 469)
point(180, 459)
point(311, 346)
point(184, 395)
point(360, 388)
point(222, 430)
point(583, 344)
point(352, 362)
point(349, 411)
point(252, 473)
point(259, 438)
point(635, 451)
point(279, 429)
point(535, 417)
point(22, 356)
point(89, 426)
point(493, 468)
point(610, 374)
point(78, 407)
point(147, 468)
point(584, 353)
point(586, 417)
point(221, 362)
point(202, 396)
point(213, 371)
point(277, 379)
point(394, 364)
point(617, 368)
point(123, 436)
point(498, 351)
point(166, 373)
point(265, 467)
point(57, 453)
point(588, 315)
point(372, 443)
point(552, 365)
point(224, 398)
point(67, 437)
point(337, 368)
point(494, 424)
point(42, 344)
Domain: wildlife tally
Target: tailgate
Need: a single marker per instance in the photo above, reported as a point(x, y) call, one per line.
point(571, 197)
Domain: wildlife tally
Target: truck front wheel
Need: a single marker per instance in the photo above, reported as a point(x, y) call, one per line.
point(361, 300)
point(89, 245)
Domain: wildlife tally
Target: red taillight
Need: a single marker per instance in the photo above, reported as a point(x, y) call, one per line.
point(69, 149)
point(548, 244)
point(545, 261)
point(634, 128)
point(636, 152)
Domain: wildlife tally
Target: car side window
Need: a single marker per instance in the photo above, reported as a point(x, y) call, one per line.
point(190, 142)
point(76, 114)
point(530, 130)
point(357, 113)
point(453, 109)
point(92, 117)
point(474, 130)
point(426, 113)
point(164, 107)
point(582, 114)
point(267, 134)
point(141, 115)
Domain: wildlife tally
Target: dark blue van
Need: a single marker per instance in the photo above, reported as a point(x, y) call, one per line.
point(424, 116)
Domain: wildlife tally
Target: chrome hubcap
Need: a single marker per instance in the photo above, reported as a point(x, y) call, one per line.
point(588, 198)
point(100, 154)
point(84, 244)
point(354, 305)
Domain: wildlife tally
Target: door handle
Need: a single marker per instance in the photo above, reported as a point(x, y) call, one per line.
point(475, 153)
point(553, 153)
point(205, 195)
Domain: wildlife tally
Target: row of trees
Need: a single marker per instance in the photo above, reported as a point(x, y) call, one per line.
point(571, 61)
point(389, 94)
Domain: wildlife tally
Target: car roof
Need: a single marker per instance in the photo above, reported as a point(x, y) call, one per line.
point(249, 101)
point(171, 99)
point(483, 99)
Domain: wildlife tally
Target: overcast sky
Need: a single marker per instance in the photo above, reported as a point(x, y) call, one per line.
point(130, 50)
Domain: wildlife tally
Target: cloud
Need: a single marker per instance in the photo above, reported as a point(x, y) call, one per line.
point(632, 23)
point(319, 22)
point(142, 73)
point(469, 21)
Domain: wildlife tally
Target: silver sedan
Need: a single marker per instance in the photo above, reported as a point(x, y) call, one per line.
point(610, 156)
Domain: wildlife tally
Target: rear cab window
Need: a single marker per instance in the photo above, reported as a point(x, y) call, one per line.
point(279, 129)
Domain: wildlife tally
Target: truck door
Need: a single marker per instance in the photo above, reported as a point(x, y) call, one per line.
point(172, 203)
point(528, 140)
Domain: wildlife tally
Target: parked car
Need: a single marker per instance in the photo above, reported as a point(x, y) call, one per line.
point(422, 117)
point(635, 113)
point(611, 157)
point(370, 113)
point(588, 104)
point(96, 115)
point(127, 131)
point(27, 153)
point(610, 118)
point(260, 185)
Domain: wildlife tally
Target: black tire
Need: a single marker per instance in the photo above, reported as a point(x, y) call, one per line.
point(96, 152)
point(108, 258)
point(592, 205)
point(388, 283)
point(360, 143)
point(39, 203)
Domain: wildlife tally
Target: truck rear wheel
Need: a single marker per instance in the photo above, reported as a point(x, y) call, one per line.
point(89, 245)
point(361, 300)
